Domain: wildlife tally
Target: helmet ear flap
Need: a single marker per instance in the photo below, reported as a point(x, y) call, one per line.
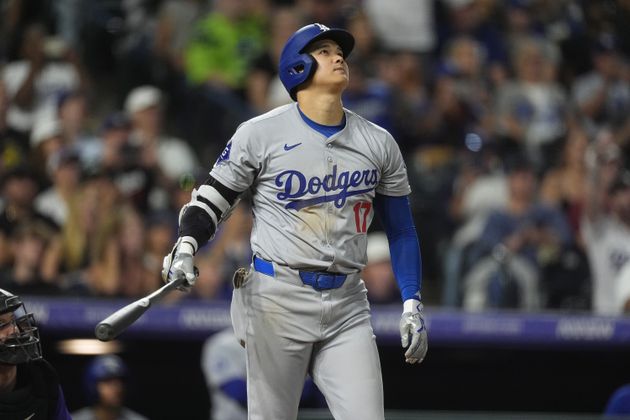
point(303, 69)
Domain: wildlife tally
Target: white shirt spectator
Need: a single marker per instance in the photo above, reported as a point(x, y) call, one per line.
point(403, 24)
point(54, 78)
point(608, 247)
point(622, 294)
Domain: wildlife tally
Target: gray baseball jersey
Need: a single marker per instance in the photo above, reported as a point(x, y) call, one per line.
point(312, 196)
point(312, 205)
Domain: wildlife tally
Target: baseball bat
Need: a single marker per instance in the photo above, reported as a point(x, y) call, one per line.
point(119, 321)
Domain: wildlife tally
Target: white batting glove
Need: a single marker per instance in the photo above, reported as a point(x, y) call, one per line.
point(179, 262)
point(412, 324)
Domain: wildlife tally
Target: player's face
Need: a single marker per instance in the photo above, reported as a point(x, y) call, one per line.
point(7, 326)
point(332, 69)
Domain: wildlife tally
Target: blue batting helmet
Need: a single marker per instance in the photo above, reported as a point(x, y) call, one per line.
point(102, 368)
point(296, 67)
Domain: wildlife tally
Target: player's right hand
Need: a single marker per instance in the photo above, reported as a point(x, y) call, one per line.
point(412, 325)
point(179, 263)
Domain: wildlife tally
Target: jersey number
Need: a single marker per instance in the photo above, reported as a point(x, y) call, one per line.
point(361, 211)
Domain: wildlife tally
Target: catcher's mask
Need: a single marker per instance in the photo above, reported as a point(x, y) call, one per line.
point(19, 337)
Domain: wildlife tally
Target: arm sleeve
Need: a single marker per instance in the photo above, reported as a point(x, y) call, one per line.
point(404, 247)
point(209, 204)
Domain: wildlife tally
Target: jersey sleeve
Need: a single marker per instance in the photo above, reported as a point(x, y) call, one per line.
point(394, 180)
point(240, 161)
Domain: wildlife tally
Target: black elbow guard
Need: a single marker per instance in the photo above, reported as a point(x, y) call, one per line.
point(197, 223)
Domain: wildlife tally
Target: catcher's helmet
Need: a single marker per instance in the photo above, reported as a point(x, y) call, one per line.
point(22, 344)
point(100, 369)
point(296, 67)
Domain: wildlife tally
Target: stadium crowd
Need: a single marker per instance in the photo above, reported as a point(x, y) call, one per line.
point(513, 116)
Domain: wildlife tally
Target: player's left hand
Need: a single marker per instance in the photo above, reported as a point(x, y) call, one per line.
point(412, 325)
point(178, 263)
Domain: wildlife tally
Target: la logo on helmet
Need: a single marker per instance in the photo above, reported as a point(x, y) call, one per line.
point(322, 27)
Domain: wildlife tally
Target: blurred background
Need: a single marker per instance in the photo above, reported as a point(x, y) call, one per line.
point(514, 120)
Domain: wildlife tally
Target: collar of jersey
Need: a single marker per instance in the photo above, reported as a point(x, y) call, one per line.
point(325, 130)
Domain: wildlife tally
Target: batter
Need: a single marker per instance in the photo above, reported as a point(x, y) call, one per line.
point(317, 174)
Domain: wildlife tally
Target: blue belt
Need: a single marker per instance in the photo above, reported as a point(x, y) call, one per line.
point(318, 280)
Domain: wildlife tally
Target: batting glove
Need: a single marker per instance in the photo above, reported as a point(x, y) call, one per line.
point(179, 263)
point(412, 325)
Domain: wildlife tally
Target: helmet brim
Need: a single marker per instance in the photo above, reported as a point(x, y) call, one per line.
point(341, 37)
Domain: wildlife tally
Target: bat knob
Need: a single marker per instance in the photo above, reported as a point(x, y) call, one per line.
point(104, 332)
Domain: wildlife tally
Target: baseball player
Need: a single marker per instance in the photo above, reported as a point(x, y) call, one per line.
point(317, 174)
point(29, 385)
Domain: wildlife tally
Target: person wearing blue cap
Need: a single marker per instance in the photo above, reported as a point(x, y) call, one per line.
point(105, 379)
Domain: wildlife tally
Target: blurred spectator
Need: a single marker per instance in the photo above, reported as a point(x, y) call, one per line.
point(367, 46)
point(118, 267)
point(73, 115)
point(412, 102)
point(463, 92)
point(370, 98)
point(229, 250)
point(479, 189)
point(15, 18)
point(564, 184)
point(161, 231)
point(64, 171)
point(532, 109)
point(429, 156)
point(606, 222)
point(113, 141)
point(19, 188)
point(516, 246)
point(264, 89)
point(473, 18)
point(403, 24)
point(45, 68)
point(91, 217)
point(46, 140)
point(520, 22)
point(121, 161)
point(106, 383)
point(327, 12)
point(24, 276)
point(168, 155)
point(217, 61)
point(378, 274)
point(622, 292)
point(602, 95)
point(154, 54)
point(14, 147)
point(176, 20)
point(225, 43)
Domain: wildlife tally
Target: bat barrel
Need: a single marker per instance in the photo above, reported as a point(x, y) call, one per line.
point(113, 325)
